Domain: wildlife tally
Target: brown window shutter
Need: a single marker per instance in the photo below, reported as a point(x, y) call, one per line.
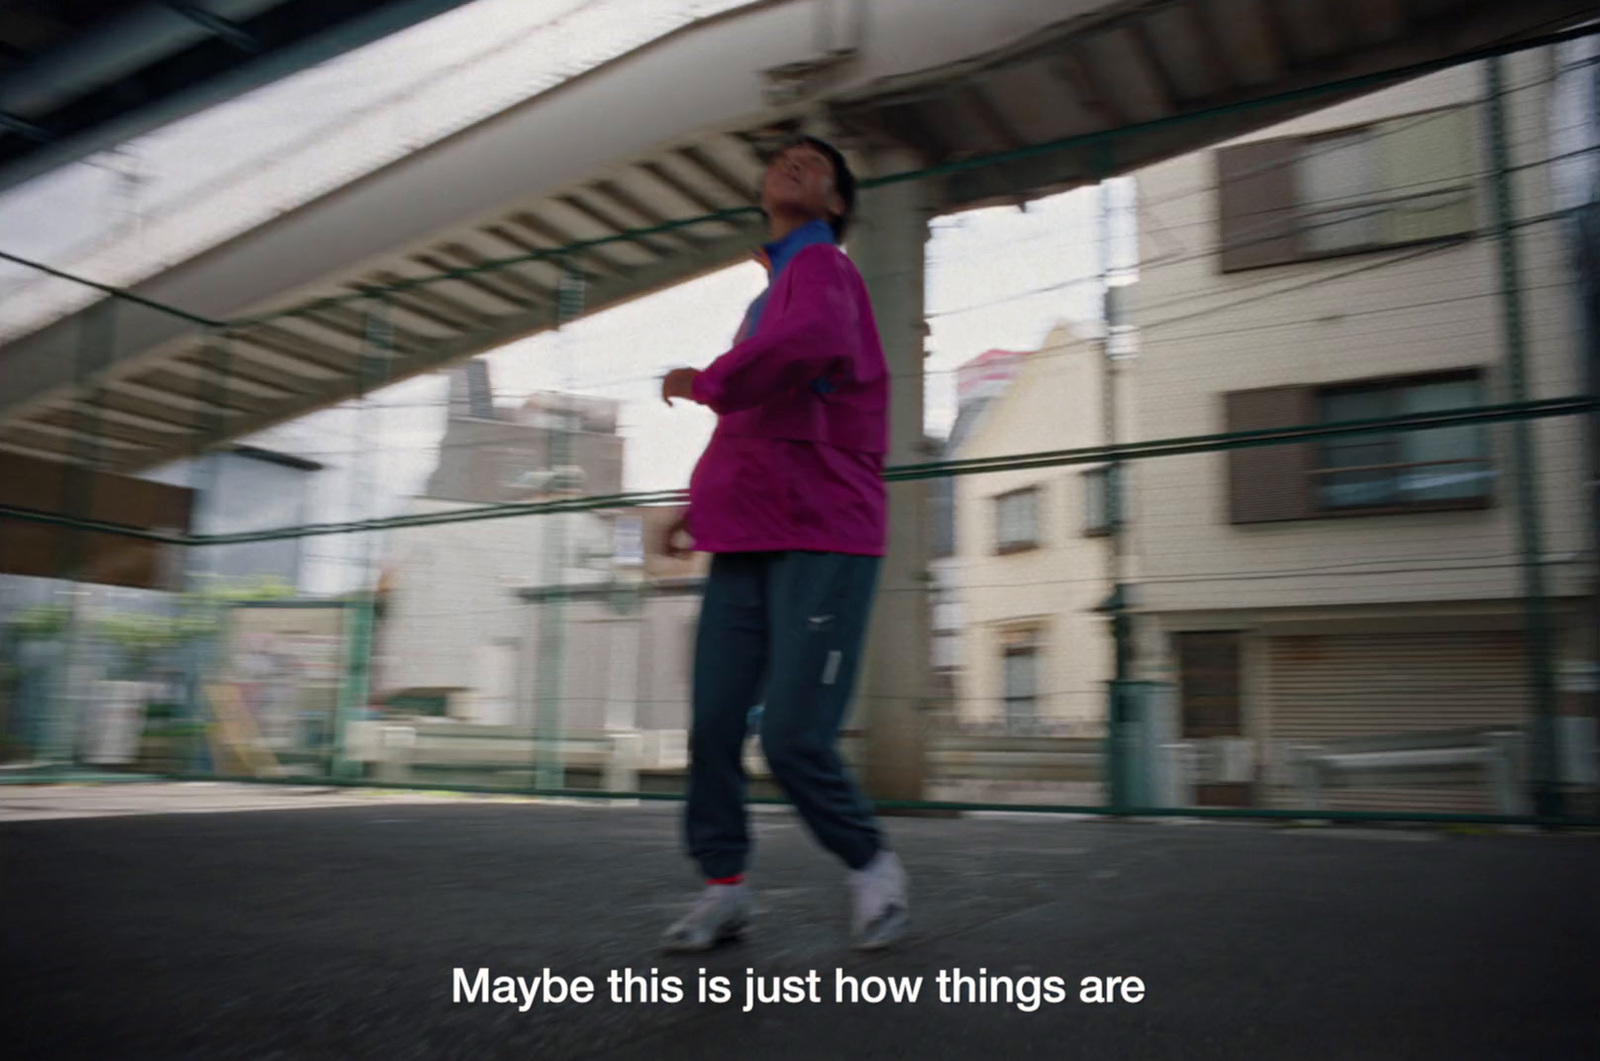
point(28, 548)
point(1256, 204)
point(1270, 483)
point(47, 551)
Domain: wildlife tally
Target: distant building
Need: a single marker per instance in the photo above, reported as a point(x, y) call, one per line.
point(1030, 561)
point(496, 453)
point(628, 641)
point(986, 376)
point(454, 630)
point(978, 381)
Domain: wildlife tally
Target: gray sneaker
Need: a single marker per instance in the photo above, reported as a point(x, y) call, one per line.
point(881, 907)
point(719, 915)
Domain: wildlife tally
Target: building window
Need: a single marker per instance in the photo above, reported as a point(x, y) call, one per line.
point(1020, 665)
point(1406, 180)
point(1098, 501)
point(1017, 520)
point(1404, 471)
point(1410, 469)
point(1210, 689)
point(1338, 185)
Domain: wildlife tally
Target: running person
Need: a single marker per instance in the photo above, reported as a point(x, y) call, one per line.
point(789, 499)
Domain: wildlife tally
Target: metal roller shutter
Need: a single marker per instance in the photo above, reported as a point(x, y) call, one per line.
point(1331, 688)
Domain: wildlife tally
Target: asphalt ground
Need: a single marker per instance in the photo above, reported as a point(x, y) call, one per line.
point(329, 926)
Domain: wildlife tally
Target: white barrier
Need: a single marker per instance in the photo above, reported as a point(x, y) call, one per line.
point(1497, 755)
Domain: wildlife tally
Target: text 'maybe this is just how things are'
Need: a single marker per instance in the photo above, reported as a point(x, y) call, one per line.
point(946, 987)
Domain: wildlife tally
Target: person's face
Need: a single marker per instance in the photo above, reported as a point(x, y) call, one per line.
point(800, 181)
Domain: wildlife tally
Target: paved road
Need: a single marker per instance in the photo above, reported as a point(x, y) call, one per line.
point(332, 933)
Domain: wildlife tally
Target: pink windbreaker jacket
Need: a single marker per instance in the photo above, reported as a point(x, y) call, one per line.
point(796, 460)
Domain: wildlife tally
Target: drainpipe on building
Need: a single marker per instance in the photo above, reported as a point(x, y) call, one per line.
point(1545, 760)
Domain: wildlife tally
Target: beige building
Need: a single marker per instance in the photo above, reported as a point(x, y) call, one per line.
point(1031, 558)
point(627, 642)
point(454, 633)
point(1350, 606)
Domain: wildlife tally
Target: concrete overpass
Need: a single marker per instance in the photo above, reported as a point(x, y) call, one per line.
point(673, 131)
point(76, 78)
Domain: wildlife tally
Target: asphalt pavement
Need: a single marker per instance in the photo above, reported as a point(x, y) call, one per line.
point(333, 927)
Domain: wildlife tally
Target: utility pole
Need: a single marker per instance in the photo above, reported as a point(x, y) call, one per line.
point(1122, 722)
point(1546, 782)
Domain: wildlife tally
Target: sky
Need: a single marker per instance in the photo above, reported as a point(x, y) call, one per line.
point(125, 214)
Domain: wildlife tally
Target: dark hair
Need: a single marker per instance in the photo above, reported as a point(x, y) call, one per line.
point(844, 182)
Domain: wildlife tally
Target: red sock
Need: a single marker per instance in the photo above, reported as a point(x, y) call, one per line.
point(737, 878)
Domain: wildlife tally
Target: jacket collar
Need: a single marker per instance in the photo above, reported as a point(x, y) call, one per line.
point(775, 256)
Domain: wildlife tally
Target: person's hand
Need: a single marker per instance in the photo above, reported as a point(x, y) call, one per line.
point(675, 530)
point(679, 383)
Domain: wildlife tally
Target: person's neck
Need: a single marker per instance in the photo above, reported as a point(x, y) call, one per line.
point(782, 225)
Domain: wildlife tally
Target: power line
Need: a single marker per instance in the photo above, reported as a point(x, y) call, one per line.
point(1439, 246)
point(1511, 411)
point(1411, 121)
point(1030, 357)
point(1042, 355)
point(1479, 562)
point(1414, 121)
point(1155, 264)
point(1442, 244)
point(1506, 560)
point(1423, 251)
point(1476, 296)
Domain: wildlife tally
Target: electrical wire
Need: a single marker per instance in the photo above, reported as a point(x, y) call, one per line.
point(1089, 455)
point(1034, 357)
point(1212, 187)
point(1096, 281)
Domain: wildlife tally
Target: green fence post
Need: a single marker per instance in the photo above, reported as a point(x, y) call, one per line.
point(202, 613)
point(70, 704)
point(550, 773)
point(355, 690)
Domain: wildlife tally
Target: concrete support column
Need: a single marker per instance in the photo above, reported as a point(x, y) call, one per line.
point(887, 241)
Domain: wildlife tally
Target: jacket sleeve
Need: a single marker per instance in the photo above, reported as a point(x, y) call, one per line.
point(817, 330)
